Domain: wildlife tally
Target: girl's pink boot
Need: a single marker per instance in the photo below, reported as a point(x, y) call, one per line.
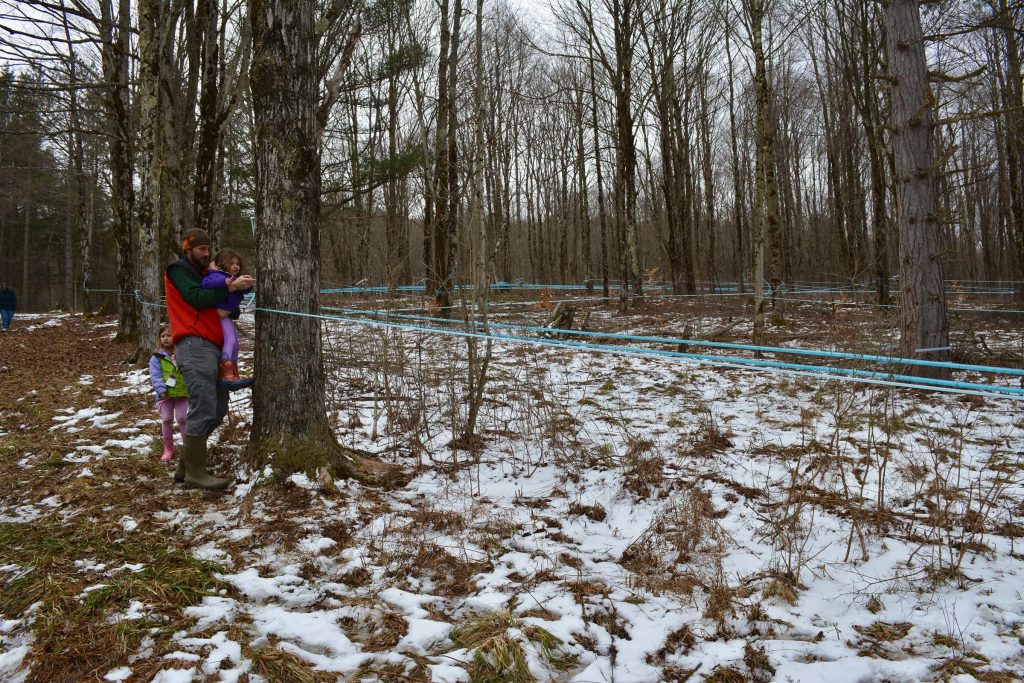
point(168, 450)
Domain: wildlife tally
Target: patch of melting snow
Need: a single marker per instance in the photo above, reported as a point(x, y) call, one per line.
point(224, 650)
point(309, 630)
point(316, 544)
point(90, 565)
point(21, 515)
point(211, 553)
point(12, 655)
point(213, 610)
point(135, 611)
point(89, 589)
point(302, 481)
point(121, 673)
point(95, 416)
point(175, 676)
point(288, 588)
point(53, 322)
point(140, 443)
point(129, 524)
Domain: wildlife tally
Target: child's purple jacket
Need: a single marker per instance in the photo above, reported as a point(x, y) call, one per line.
point(156, 373)
point(218, 278)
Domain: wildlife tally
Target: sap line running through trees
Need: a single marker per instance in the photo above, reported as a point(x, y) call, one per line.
point(888, 370)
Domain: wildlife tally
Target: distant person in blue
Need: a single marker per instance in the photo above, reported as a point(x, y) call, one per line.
point(225, 269)
point(8, 304)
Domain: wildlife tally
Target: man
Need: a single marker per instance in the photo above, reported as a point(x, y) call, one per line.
point(196, 331)
point(8, 304)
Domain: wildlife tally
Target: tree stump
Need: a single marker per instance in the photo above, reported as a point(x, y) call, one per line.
point(562, 318)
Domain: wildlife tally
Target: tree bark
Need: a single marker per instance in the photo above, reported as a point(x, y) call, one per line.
point(290, 426)
point(114, 46)
point(924, 329)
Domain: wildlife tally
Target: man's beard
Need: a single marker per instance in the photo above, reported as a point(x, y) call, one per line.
point(200, 263)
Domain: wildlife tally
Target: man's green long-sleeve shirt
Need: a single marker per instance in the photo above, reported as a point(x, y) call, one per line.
point(187, 280)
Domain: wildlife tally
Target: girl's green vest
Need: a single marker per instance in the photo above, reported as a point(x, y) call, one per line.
point(170, 370)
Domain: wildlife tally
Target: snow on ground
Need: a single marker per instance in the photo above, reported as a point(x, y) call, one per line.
point(625, 519)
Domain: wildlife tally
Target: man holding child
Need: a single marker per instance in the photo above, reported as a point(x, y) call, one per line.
point(198, 337)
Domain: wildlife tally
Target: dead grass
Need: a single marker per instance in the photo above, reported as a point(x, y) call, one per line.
point(279, 666)
point(445, 521)
point(452, 576)
point(497, 641)
point(78, 633)
point(413, 671)
point(595, 512)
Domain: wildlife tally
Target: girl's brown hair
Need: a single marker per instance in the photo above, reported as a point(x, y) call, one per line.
point(225, 256)
point(163, 328)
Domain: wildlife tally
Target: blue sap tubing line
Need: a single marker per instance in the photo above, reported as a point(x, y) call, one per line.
point(867, 375)
point(837, 302)
point(836, 355)
point(501, 287)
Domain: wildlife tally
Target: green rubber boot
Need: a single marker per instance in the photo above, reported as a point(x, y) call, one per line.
point(179, 470)
point(196, 476)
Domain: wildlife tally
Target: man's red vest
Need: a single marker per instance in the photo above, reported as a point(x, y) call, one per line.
point(187, 321)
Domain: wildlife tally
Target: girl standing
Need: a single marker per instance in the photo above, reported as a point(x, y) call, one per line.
point(171, 394)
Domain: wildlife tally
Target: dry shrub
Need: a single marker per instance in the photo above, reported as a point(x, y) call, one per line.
point(452, 576)
point(355, 578)
point(726, 674)
point(686, 527)
point(878, 638)
point(643, 469)
point(973, 664)
point(720, 603)
point(707, 438)
point(758, 663)
point(677, 674)
point(781, 590)
point(681, 549)
point(439, 520)
point(874, 605)
point(680, 640)
point(595, 512)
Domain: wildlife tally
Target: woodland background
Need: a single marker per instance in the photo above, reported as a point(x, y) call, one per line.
point(559, 85)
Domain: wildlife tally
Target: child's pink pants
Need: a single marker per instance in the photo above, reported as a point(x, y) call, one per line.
point(172, 409)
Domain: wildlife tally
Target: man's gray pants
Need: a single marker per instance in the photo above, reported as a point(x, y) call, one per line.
point(199, 362)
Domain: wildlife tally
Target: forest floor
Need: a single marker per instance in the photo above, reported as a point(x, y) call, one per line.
point(620, 518)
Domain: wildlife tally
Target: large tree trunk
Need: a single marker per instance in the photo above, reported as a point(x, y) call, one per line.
point(1013, 103)
point(445, 173)
point(602, 213)
point(924, 326)
point(290, 427)
point(151, 228)
point(739, 262)
point(626, 148)
point(115, 34)
point(76, 167)
point(211, 123)
point(769, 222)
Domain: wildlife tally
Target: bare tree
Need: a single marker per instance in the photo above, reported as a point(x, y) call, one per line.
point(924, 329)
